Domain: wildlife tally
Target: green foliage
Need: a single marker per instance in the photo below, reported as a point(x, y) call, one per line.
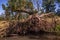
point(19, 4)
point(48, 5)
point(57, 28)
point(1, 18)
point(16, 6)
point(3, 6)
point(58, 1)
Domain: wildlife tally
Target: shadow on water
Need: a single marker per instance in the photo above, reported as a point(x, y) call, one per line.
point(41, 35)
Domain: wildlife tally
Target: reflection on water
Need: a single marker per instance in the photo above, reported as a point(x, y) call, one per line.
point(32, 37)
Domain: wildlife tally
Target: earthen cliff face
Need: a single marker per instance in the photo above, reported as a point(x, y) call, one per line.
point(35, 22)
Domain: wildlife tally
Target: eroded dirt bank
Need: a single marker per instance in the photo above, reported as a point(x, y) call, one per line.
point(35, 23)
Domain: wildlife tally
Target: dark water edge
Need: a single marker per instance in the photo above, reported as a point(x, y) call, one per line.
point(32, 37)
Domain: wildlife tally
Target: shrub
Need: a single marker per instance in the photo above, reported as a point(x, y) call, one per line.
point(58, 28)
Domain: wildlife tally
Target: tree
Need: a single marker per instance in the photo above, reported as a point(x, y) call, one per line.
point(2, 16)
point(19, 6)
point(29, 4)
point(58, 12)
point(37, 2)
point(48, 5)
point(58, 1)
point(7, 13)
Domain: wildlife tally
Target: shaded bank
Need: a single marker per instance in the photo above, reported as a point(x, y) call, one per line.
point(33, 24)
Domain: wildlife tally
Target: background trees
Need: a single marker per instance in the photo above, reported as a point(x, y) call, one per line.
point(48, 5)
point(7, 13)
point(58, 10)
point(14, 7)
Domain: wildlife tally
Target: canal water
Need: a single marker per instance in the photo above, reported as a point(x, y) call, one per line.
point(32, 37)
